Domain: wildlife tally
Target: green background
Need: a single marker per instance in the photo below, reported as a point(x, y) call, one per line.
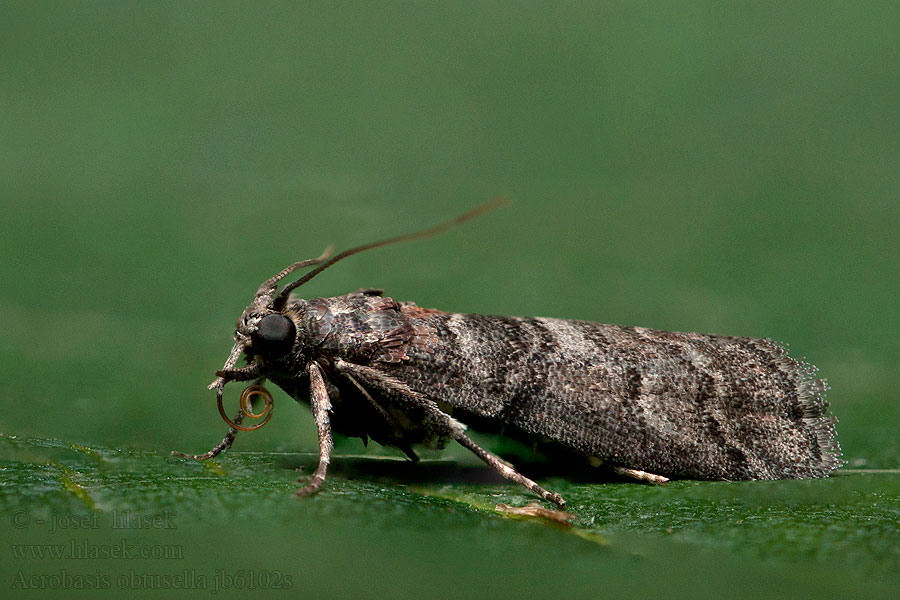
point(729, 168)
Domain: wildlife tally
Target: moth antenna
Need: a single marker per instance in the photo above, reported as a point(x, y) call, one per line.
point(268, 285)
point(477, 211)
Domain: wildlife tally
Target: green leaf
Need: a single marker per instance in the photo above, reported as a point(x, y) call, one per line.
point(429, 528)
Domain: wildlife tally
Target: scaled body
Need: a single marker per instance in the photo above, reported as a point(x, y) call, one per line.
point(647, 404)
point(674, 404)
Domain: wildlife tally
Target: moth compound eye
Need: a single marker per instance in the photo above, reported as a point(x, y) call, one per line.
point(275, 333)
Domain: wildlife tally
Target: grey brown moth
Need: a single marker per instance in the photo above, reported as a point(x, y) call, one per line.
point(644, 403)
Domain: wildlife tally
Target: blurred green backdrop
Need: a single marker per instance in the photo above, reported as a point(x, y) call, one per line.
point(727, 168)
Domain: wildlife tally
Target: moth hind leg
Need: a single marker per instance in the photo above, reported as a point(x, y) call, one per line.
point(640, 475)
point(437, 418)
point(510, 473)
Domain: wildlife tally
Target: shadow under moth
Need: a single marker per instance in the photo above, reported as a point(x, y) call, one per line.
point(643, 403)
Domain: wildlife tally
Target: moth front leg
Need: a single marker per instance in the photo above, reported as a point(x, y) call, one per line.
point(216, 450)
point(239, 373)
point(320, 407)
point(226, 442)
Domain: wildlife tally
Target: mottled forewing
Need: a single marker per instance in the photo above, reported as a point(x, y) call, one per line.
point(679, 404)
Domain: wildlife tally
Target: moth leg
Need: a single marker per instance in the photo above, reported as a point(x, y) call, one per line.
point(239, 373)
point(226, 442)
point(404, 396)
point(395, 386)
point(216, 450)
point(641, 475)
point(407, 450)
point(320, 407)
point(507, 471)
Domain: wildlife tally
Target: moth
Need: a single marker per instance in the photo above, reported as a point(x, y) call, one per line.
point(644, 403)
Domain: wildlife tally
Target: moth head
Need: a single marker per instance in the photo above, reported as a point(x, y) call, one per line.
point(263, 328)
point(270, 334)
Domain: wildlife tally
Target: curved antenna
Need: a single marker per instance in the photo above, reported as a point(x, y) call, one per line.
point(479, 210)
point(268, 285)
